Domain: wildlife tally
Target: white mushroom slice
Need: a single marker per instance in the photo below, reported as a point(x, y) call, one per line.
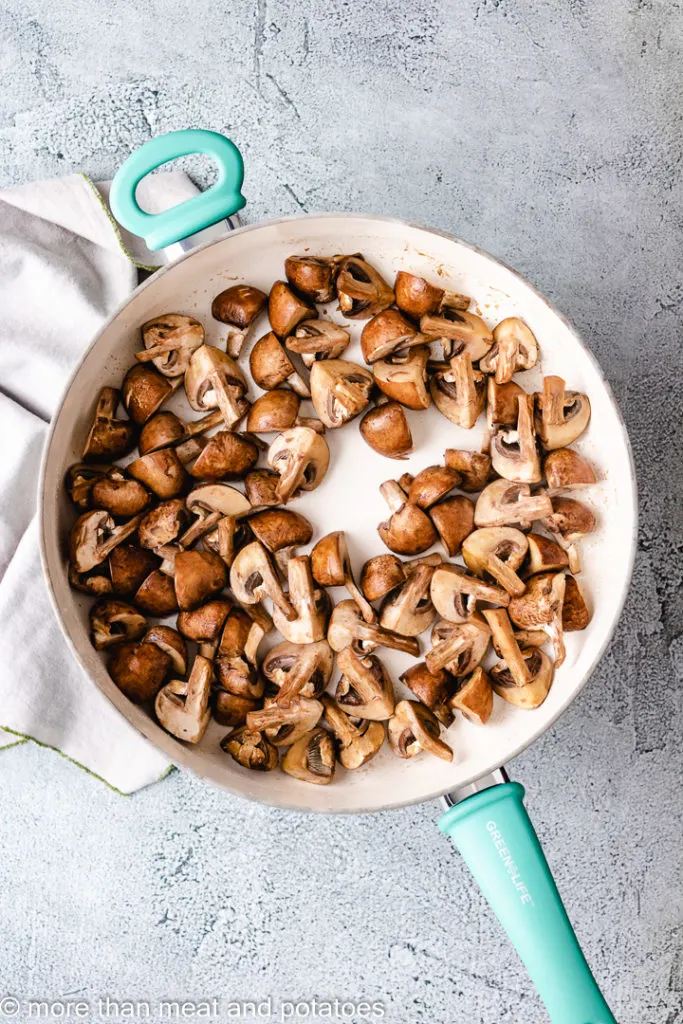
point(497, 551)
point(331, 567)
point(540, 607)
point(183, 707)
point(506, 503)
point(459, 647)
point(501, 628)
point(514, 453)
point(414, 728)
point(300, 456)
point(455, 595)
point(296, 669)
point(532, 694)
point(514, 348)
point(209, 503)
point(283, 726)
point(214, 380)
point(561, 416)
point(312, 606)
point(409, 610)
point(94, 536)
point(459, 392)
point(570, 520)
point(311, 758)
point(348, 628)
point(252, 577)
point(357, 741)
point(340, 390)
point(365, 689)
point(169, 342)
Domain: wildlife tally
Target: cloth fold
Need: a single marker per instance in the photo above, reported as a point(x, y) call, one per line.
point(64, 266)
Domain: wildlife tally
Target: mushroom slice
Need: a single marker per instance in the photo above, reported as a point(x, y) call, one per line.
point(238, 306)
point(331, 567)
point(298, 669)
point(455, 595)
point(454, 521)
point(286, 309)
point(172, 643)
point(532, 694)
point(387, 431)
point(357, 741)
point(431, 485)
point(139, 669)
point(166, 430)
point(502, 403)
point(340, 390)
point(205, 622)
point(313, 276)
point(318, 339)
point(364, 690)
point(236, 656)
point(514, 348)
point(182, 707)
point(525, 638)
point(504, 503)
point(361, 290)
point(250, 749)
point(80, 480)
point(312, 606)
point(497, 551)
point(409, 610)
point(347, 628)
point(402, 376)
point(94, 536)
point(271, 367)
point(408, 530)
point(460, 331)
point(561, 416)
point(474, 698)
point(416, 296)
point(144, 391)
point(209, 503)
point(113, 622)
point(300, 456)
point(566, 468)
point(380, 575)
point(214, 380)
point(108, 436)
point(504, 639)
point(575, 613)
point(261, 486)
point(544, 555)
point(514, 453)
point(161, 471)
point(226, 454)
point(474, 468)
point(569, 521)
point(163, 525)
point(119, 495)
point(252, 577)
point(387, 332)
point(311, 758)
point(458, 647)
point(169, 342)
point(96, 583)
point(285, 725)
point(540, 607)
point(433, 690)
point(459, 392)
point(156, 595)
point(198, 575)
point(414, 728)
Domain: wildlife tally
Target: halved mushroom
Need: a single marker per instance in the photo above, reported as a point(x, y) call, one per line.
point(409, 610)
point(540, 607)
point(182, 707)
point(279, 410)
point(454, 521)
point(198, 575)
point(206, 621)
point(475, 697)
point(340, 390)
point(80, 480)
point(260, 486)
point(525, 638)
point(161, 471)
point(94, 536)
point(433, 690)
point(144, 391)
point(139, 669)
point(96, 582)
point(459, 331)
point(459, 391)
point(108, 436)
point(113, 622)
point(455, 595)
point(561, 416)
point(166, 430)
point(502, 404)
point(312, 758)
point(313, 276)
point(569, 521)
point(169, 342)
point(295, 669)
point(414, 728)
point(514, 348)
point(119, 495)
point(388, 332)
point(514, 452)
point(318, 339)
point(506, 642)
point(252, 577)
point(230, 709)
point(362, 291)
point(544, 555)
point(312, 605)
point(357, 741)
point(432, 484)
point(238, 306)
point(250, 749)
point(497, 551)
point(387, 430)
point(286, 309)
point(566, 468)
point(235, 662)
point(300, 456)
point(347, 628)
point(416, 296)
point(380, 575)
point(214, 380)
point(227, 454)
point(408, 530)
point(209, 503)
point(505, 503)
point(170, 641)
point(331, 567)
point(163, 524)
point(458, 647)
point(402, 376)
point(532, 694)
point(285, 725)
point(281, 531)
point(575, 613)
point(156, 595)
point(271, 367)
point(474, 468)
point(364, 690)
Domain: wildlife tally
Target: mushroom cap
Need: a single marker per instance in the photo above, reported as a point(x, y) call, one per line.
point(300, 456)
point(570, 518)
point(544, 555)
point(312, 663)
point(514, 348)
point(286, 309)
point(113, 621)
point(205, 622)
point(250, 749)
point(433, 689)
point(532, 694)
point(261, 486)
point(143, 391)
point(432, 484)
point(276, 410)
point(415, 296)
point(505, 502)
point(403, 377)
point(380, 575)
point(96, 582)
point(209, 370)
point(561, 415)
point(139, 670)
point(198, 576)
point(474, 468)
point(362, 291)
point(156, 595)
point(318, 339)
point(475, 697)
point(217, 497)
point(269, 363)
point(226, 454)
point(385, 333)
point(279, 528)
point(408, 531)
point(119, 495)
point(238, 305)
point(311, 758)
point(413, 728)
point(170, 641)
point(108, 437)
point(183, 332)
point(454, 521)
point(454, 594)
point(160, 431)
point(340, 390)
point(566, 468)
point(313, 276)
point(386, 429)
point(161, 471)
point(330, 560)
point(163, 524)
point(575, 613)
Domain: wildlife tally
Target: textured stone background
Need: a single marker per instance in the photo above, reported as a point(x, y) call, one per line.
point(552, 137)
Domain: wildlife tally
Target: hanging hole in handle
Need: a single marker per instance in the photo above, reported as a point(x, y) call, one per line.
point(199, 168)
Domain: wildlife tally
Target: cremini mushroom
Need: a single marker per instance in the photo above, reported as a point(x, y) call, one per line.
point(497, 551)
point(271, 367)
point(144, 391)
point(459, 391)
point(156, 594)
point(387, 431)
point(357, 741)
point(566, 468)
point(409, 609)
point(281, 531)
point(318, 339)
point(473, 468)
point(383, 573)
point(408, 530)
point(575, 613)
point(506, 503)
point(388, 332)
point(433, 690)
point(454, 521)
point(413, 728)
point(169, 342)
point(525, 638)
point(108, 436)
point(235, 659)
point(198, 575)
point(260, 486)
point(279, 410)
point(214, 380)
point(416, 296)
point(402, 376)
point(532, 694)
point(475, 697)
point(286, 309)
point(209, 503)
point(561, 416)
point(206, 621)
point(458, 647)
point(514, 348)
point(238, 307)
point(285, 725)
point(456, 595)
point(364, 690)
point(340, 390)
point(80, 480)
point(311, 758)
point(313, 276)
point(362, 291)
point(514, 452)
point(166, 430)
point(96, 582)
point(540, 607)
point(347, 627)
point(502, 404)
point(506, 643)
point(230, 709)
point(331, 567)
point(250, 749)
point(113, 621)
point(431, 485)
point(182, 707)
point(94, 536)
point(170, 641)
point(459, 332)
point(252, 577)
point(227, 454)
point(311, 605)
point(544, 555)
point(161, 471)
point(139, 669)
point(300, 456)
point(163, 524)
point(296, 669)
point(569, 521)
point(119, 495)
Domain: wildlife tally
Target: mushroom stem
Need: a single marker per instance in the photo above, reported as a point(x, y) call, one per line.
point(297, 676)
point(504, 639)
point(393, 494)
point(387, 638)
point(292, 476)
point(507, 577)
point(445, 652)
point(230, 407)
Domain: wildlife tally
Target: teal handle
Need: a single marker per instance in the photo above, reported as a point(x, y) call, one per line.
point(218, 202)
point(494, 834)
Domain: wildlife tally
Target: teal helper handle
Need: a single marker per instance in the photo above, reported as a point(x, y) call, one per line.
point(494, 834)
point(218, 202)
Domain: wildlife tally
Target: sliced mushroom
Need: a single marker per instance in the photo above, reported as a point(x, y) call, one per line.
point(183, 707)
point(156, 595)
point(575, 613)
point(119, 495)
point(96, 582)
point(313, 276)
point(318, 339)
point(525, 638)
point(311, 759)
point(458, 647)
point(402, 376)
point(362, 291)
point(474, 468)
point(475, 697)
point(169, 342)
point(347, 628)
point(271, 367)
point(569, 521)
point(415, 296)
point(230, 709)
point(387, 431)
point(532, 694)
point(286, 309)
point(235, 659)
point(561, 416)
point(505, 641)
point(163, 525)
point(357, 741)
point(261, 486)
point(108, 436)
point(331, 567)
point(278, 410)
point(502, 404)
point(206, 621)
point(198, 576)
point(455, 595)
point(80, 480)
point(281, 531)
point(566, 468)
point(161, 471)
point(227, 455)
point(365, 689)
point(409, 610)
point(252, 577)
point(214, 380)
point(340, 390)
point(139, 670)
point(409, 530)
point(505, 503)
point(540, 607)
point(497, 551)
point(388, 332)
point(144, 391)
point(459, 392)
point(514, 348)
point(434, 691)
point(544, 555)
point(431, 485)
point(462, 332)
point(414, 728)
point(250, 749)
point(285, 725)
point(514, 453)
point(238, 306)
point(312, 605)
point(170, 641)
point(166, 430)
point(94, 536)
point(301, 457)
point(113, 622)
point(454, 521)
point(209, 503)
point(295, 669)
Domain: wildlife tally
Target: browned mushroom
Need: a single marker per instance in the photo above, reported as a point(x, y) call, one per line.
point(575, 613)
point(286, 309)
point(295, 669)
point(532, 694)
point(80, 480)
point(96, 582)
point(357, 741)
point(113, 621)
point(182, 707)
point(387, 431)
point(331, 567)
point(250, 749)
point(415, 296)
point(271, 367)
point(474, 698)
point(312, 606)
point(388, 332)
point(285, 725)
point(313, 276)
point(347, 627)
point(279, 410)
point(454, 521)
point(144, 391)
point(409, 530)
point(409, 609)
point(459, 331)
point(211, 503)
point(252, 577)
point(402, 376)
point(540, 607)
point(364, 690)
point(474, 468)
point(214, 380)
point(161, 471)
point(318, 339)
point(163, 525)
point(300, 456)
point(139, 669)
point(340, 390)
point(281, 531)
point(561, 416)
point(433, 690)
point(156, 595)
point(502, 404)
point(455, 595)
point(170, 641)
point(380, 575)
point(238, 306)
point(235, 662)
point(497, 551)
point(119, 495)
point(311, 758)
point(362, 291)
point(108, 436)
point(169, 342)
point(566, 468)
point(166, 430)
point(505, 503)
point(94, 536)
point(228, 455)
point(432, 484)
point(459, 391)
point(514, 452)
point(206, 621)
point(544, 555)
point(506, 642)
point(414, 728)
point(514, 348)
point(198, 575)
point(230, 709)
point(261, 486)
point(569, 521)
point(458, 647)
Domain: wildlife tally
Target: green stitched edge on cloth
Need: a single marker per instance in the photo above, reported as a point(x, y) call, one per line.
point(108, 214)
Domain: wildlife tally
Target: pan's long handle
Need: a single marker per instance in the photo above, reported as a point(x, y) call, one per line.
point(218, 202)
point(493, 832)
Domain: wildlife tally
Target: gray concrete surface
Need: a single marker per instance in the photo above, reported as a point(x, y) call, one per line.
point(550, 134)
